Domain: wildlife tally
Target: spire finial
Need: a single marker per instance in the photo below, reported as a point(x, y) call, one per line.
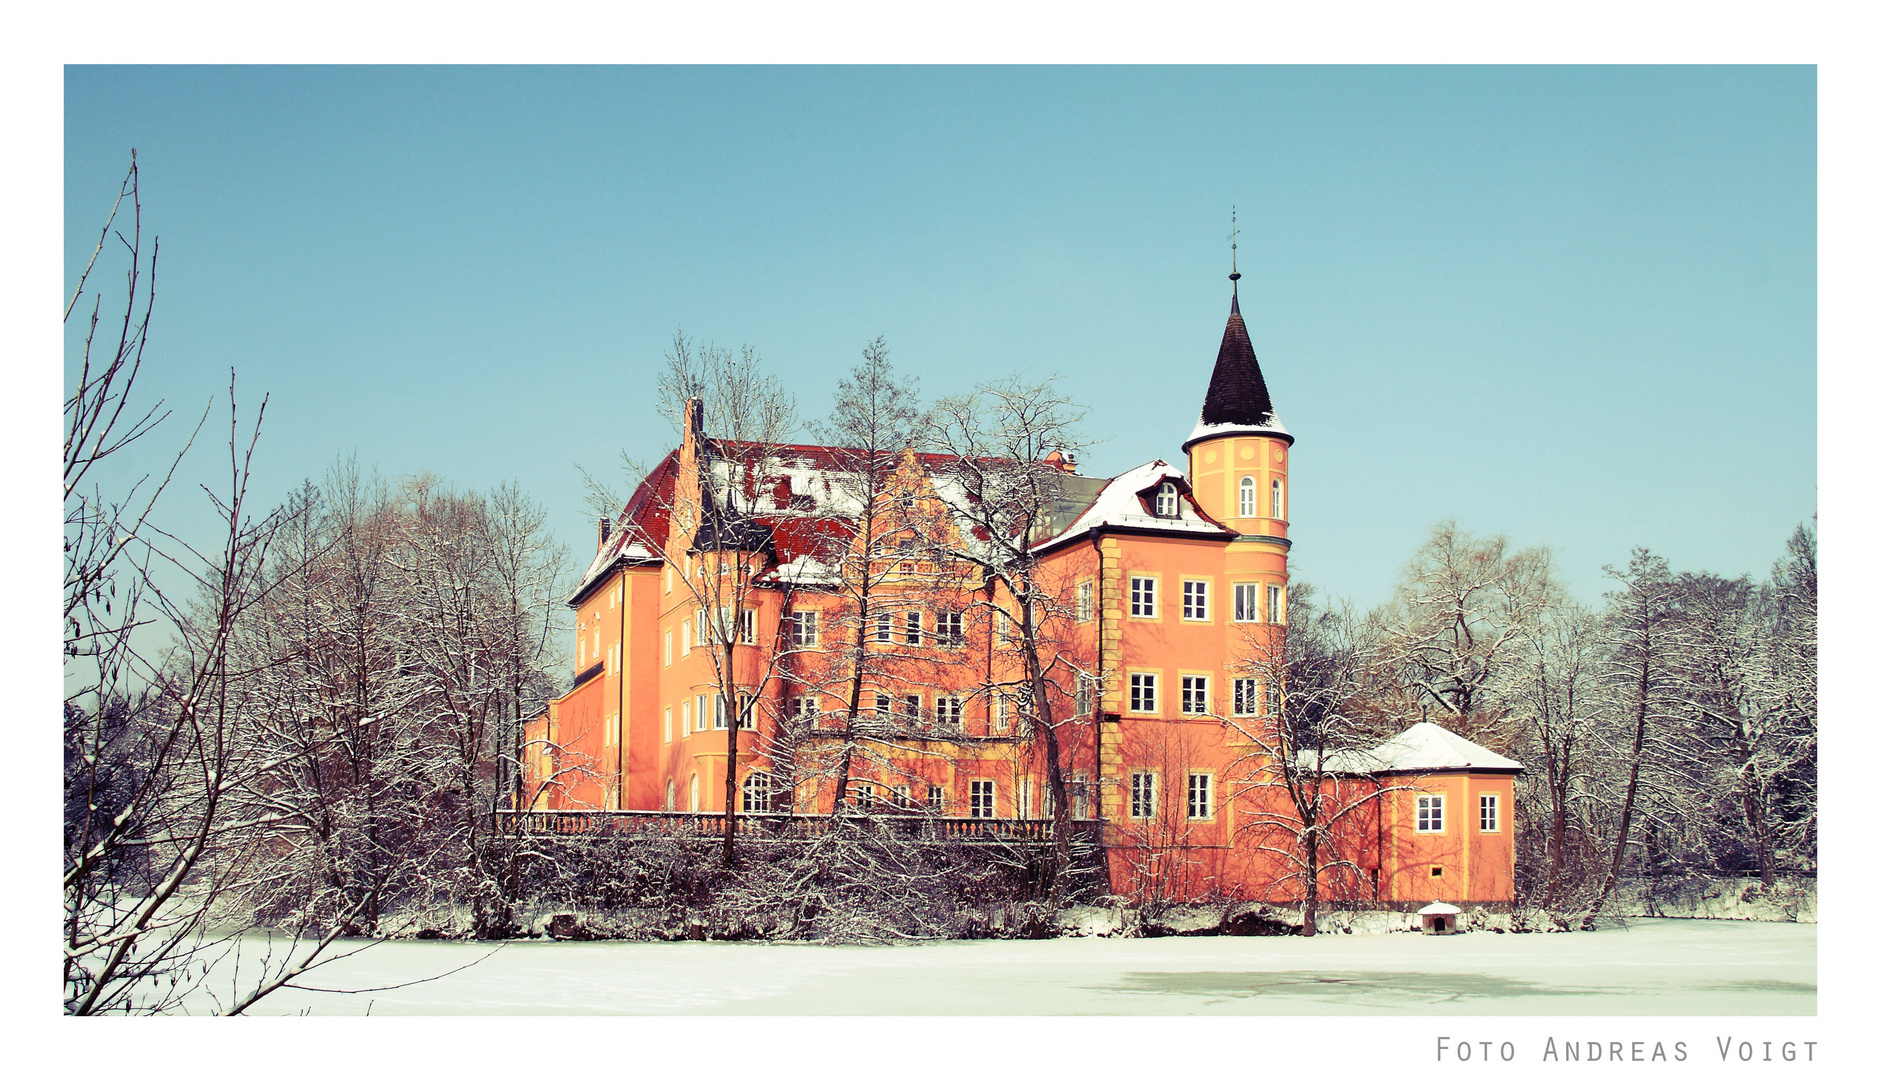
point(1234, 245)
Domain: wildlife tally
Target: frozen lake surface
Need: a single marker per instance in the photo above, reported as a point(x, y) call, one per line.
point(1649, 967)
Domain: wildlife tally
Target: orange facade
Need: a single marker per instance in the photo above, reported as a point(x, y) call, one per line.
point(1162, 586)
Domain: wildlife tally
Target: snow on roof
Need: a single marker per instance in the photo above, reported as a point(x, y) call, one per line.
point(1421, 747)
point(1273, 426)
point(1118, 504)
point(1440, 908)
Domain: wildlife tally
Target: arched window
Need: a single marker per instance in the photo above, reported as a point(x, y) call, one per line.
point(693, 800)
point(1248, 507)
point(1279, 502)
point(670, 795)
point(758, 793)
point(1166, 500)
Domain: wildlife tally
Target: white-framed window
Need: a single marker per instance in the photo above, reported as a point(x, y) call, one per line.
point(1250, 498)
point(685, 718)
point(863, 792)
point(718, 712)
point(1143, 597)
point(1195, 601)
point(685, 638)
point(911, 629)
point(757, 793)
point(948, 709)
point(1276, 605)
point(911, 707)
point(692, 799)
point(1279, 501)
point(747, 714)
point(1166, 500)
point(884, 627)
point(1087, 601)
point(1194, 695)
point(701, 635)
point(1490, 819)
point(884, 706)
point(803, 629)
point(803, 710)
point(1143, 796)
point(1080, 791)
point(666, 730)
point(1248, 697)
point(748, 627)
point(980, 799)
point(669, 648)
point(1201, 795)
point(669, 588)
point(1430, 813)
point(1247, 601)
point(671, 793)
point(936, 798)
point(899, 796)
point(1086, 695)
point(1142, 692)
point(1025, 798)
point(950, 629)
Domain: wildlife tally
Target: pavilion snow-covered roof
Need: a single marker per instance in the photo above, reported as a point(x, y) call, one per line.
point(1422, 747)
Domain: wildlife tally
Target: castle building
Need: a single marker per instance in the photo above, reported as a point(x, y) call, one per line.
point(813, 620)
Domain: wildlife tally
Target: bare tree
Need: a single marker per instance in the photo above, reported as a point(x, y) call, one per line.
point(871, 430)
point(1006, 444)
point(1558, 701)
point(1462, 608)
point(1308, 779)
point(1642, 641)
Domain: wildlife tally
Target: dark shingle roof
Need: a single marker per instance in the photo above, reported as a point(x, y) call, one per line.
point(1236, 392)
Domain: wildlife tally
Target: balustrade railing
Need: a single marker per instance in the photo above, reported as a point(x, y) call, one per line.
point(916, 826)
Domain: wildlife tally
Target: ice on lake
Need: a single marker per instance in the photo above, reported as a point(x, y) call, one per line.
point(1648, 967)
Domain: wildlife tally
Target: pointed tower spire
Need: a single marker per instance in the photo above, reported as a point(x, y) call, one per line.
point(1234, 262)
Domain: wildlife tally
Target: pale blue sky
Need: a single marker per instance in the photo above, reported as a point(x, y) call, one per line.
point(1575, 305)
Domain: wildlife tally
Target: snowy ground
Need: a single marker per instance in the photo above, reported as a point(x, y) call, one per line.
point(1651, 967)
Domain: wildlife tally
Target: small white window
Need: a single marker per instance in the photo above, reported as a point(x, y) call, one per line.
point(666, 727)
point(670, 795)
point(883, 707)
point(1195, 601)
point(757, 793)
point(1143, 597)
point(1143, 796)
point(747, 713)
point(1250, 495)
point(1279, 501)
point(899, 796)
point(1025, 798)
point(1430, 813)
point(950, 629)
point(1276, 605)
point(1247, 599)
point(685, 719)
point(1201, 795)
point(803, 710)
point(912, 633)
point(692, 800)
point(1166, 500)
point(1142, 692)
point(1084, 697)
point(669, 648)
point(947, 711)
point(1080, 791)
point(1194, 695)
point(1247, 697)
point(685, 638)
point(669, 588)
point(1002, 712)
point(1087, 601)
point(1491, 814)
point(911, 707)
point(747, 627)
point(884, 628)
point(980, 799)
point(936, 798)
point(803, 629)
point(718, 712)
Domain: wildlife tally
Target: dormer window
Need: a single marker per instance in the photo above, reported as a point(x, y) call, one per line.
point(1166, 501)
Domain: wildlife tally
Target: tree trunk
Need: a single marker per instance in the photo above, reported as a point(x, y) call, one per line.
point(1309, 901)
point(1632, 789)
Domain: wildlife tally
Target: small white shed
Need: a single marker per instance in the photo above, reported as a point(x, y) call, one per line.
point(1441, 918)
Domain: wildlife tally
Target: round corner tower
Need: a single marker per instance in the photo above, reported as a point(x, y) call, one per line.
point(1239, 454)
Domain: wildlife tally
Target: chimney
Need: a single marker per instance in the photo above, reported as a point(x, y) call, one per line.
point(607, 526)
